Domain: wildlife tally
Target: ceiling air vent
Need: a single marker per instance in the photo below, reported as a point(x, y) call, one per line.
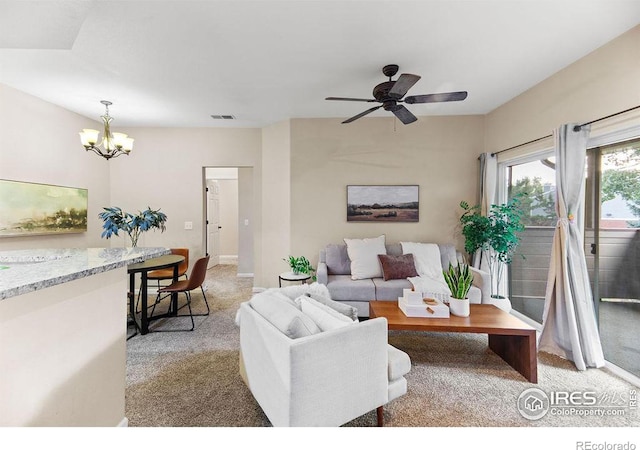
point(222, 117)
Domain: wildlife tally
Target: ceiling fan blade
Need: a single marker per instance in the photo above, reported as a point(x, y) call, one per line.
point(402, 85)
point(351, 99)
point(405, 116)
point(351, 119)
point(435, 98)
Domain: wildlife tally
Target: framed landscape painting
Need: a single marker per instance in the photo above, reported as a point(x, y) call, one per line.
point(383, 203)
point(34, 209)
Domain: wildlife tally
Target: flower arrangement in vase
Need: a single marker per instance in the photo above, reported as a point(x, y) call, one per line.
point(115, 220)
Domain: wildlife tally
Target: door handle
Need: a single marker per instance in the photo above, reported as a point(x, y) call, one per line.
point(219, 227)
point(593, 249)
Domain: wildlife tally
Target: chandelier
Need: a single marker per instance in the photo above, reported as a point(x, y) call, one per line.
point(112, 144)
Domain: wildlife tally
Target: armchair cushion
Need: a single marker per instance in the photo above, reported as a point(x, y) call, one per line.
point(325, 317)
point(342, 308)
point(284, 316)
point(399, 363)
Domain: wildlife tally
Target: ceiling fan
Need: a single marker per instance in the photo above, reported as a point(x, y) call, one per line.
point(390, 93)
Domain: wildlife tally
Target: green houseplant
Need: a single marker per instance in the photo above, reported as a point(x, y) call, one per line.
point(496, 235)
point(459, 279)
point(300, 265)
point(116, 220)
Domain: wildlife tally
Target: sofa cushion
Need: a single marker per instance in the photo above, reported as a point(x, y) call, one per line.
point(337, 259)
point(390, 289)
point(342, 308)
point(397, 267)
point(427, 258)
point(363, 254)
point(342, 287)
point(285, 317)
point(325, 317)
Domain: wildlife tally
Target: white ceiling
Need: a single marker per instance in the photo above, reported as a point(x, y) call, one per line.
point(175, 63)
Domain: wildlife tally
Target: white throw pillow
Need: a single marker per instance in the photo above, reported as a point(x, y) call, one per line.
point(427, 259)
point(325, 318)
point(363, 254)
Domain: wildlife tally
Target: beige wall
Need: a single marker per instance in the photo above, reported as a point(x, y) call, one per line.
point(165, 170)
point(275, 192)
point(246, 212)
point(39, 143)
point(602, 83)
point(437, 153)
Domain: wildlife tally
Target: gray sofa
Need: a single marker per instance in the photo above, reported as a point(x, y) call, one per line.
point(334, 271)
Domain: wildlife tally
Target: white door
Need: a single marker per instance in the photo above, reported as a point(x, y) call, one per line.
point(213, 222)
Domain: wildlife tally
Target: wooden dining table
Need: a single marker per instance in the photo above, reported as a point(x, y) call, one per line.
point(143, 268)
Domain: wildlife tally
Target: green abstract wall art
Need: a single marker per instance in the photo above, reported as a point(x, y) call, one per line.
point(35, 209)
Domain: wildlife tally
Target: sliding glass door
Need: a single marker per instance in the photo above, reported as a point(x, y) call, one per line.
point(535, 177)
point(612, 246)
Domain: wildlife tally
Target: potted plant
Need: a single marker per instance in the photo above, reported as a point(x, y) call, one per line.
point(116, 220)
point(459, 279)
point(300, 265)
point(495, 235)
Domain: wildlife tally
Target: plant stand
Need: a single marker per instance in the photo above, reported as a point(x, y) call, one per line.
point(290, 276)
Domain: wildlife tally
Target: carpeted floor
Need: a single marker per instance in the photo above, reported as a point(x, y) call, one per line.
point(190, 379)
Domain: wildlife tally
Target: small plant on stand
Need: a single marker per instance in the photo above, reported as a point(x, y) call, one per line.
point(300, 265)
point(116, 220)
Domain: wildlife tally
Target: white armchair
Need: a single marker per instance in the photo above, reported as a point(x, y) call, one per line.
point(324, 379)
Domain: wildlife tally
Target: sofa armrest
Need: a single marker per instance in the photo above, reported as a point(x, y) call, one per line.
point(322, 274)
point(482, 280)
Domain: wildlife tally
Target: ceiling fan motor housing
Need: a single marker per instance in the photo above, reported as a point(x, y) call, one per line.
point(381, 91)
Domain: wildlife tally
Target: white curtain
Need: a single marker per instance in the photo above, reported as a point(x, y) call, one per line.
point(569, 327)
point(488, 187)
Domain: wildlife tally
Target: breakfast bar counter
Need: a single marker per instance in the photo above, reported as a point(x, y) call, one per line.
point(63, 325)
point(23, 271)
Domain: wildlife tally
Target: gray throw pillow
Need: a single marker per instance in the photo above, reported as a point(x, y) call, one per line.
point(342, 308)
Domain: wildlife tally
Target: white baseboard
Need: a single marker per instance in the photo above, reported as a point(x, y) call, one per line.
point(621, 373)
point(228, 259)
point(124, 423)
point(245, 275)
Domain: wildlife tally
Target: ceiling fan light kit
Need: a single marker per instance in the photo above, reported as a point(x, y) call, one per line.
point(390, 93)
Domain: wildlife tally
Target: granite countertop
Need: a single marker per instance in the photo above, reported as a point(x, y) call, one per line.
point(23, 271)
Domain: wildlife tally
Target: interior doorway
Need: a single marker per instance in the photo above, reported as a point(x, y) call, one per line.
point(228, 217)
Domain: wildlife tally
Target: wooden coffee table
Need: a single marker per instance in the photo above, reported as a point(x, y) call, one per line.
point(509, 337)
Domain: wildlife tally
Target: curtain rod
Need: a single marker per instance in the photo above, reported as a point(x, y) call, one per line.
point(576, 128)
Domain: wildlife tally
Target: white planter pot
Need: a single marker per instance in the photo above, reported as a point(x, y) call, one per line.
point(459, 307)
